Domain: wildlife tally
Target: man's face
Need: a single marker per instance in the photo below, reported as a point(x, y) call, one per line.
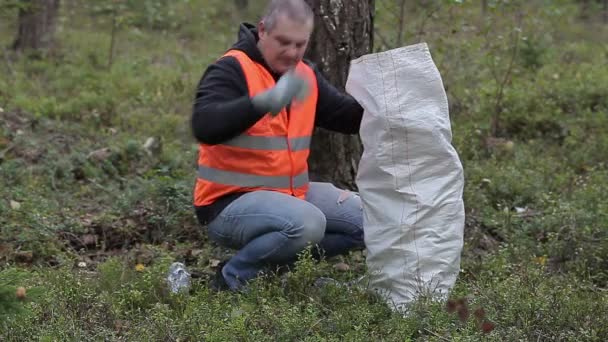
point(284, 45)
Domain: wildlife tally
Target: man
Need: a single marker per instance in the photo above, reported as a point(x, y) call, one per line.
point(254, 115)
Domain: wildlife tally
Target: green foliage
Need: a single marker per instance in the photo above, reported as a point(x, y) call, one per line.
point(10, 7)
point(154, 14)
point(9, 302)
point(528, 304)
point(120, 302)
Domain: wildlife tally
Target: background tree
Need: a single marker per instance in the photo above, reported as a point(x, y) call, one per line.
point(241, 4)
point(343, 32)
point(590, 9)
point(37, 19)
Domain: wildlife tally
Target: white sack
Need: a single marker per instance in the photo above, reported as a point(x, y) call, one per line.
point(410, 177)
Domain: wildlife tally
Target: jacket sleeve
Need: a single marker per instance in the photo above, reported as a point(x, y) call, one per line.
point(336, 111)
point(222, 108)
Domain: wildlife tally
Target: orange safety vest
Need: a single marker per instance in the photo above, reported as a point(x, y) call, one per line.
point(270, 155)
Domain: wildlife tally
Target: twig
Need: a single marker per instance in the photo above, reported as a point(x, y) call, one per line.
point(383, 39)
point(436, 335)
point(7, 150)
point(112, 40)
point(97, 185)
point(401, 22)
point(505, 80)
point(309, 330)
point(8, 62)
point(424, 20)
point(74, 236)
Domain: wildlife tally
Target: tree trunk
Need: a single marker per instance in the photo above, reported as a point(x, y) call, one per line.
point(401, 23)
point(37, 21)
point(343, 32)
point(584, 9)
point(241, 5)
point(241, 11)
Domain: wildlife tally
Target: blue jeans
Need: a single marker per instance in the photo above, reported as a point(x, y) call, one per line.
point(271, 228)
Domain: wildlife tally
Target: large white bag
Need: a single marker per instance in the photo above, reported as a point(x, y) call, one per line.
point(410, 178)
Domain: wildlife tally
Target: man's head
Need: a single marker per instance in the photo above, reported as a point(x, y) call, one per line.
point(284, 32)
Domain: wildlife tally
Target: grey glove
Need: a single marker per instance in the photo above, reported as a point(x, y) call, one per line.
point(289, 86)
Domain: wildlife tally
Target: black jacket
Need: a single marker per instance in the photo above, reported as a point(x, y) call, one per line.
point(223, 108)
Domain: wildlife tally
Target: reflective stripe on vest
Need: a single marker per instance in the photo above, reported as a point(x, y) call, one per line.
point(268, 143)
point(249, 180)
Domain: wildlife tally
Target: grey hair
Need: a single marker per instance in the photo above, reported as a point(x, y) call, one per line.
point(294, 9)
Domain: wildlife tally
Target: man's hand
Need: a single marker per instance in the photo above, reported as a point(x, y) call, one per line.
point(289, 86)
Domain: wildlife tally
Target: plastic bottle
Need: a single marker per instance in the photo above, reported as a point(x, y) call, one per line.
point(178, 277)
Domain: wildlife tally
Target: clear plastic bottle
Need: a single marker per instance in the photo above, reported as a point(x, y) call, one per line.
point(178, 277)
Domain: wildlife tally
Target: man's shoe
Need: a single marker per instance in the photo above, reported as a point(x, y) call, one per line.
point(218, 282)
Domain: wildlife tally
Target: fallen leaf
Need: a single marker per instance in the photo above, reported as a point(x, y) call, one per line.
point(214, 263)
point(89, 239)
point(451, 306)
point(4, 141)
point(144, 255)
point(140, 267)
point(15, 205)
point(24, 256)
point(82, 264)
point(463, 313)
point(153, 146)
point(487, 327)
point(20, 293)
point(342, 267)
point(100, 155)
point(541, 260)
point(480, 314)
point(462, 309)
point(120, 326)
point(461, 301)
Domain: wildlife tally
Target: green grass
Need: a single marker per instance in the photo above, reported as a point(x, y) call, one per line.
point(535, 256)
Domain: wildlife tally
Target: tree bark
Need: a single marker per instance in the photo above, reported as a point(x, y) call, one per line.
point(584, 9)
point(401, 23)
point(343, 32)
point(37, 21)
point(241, 5)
